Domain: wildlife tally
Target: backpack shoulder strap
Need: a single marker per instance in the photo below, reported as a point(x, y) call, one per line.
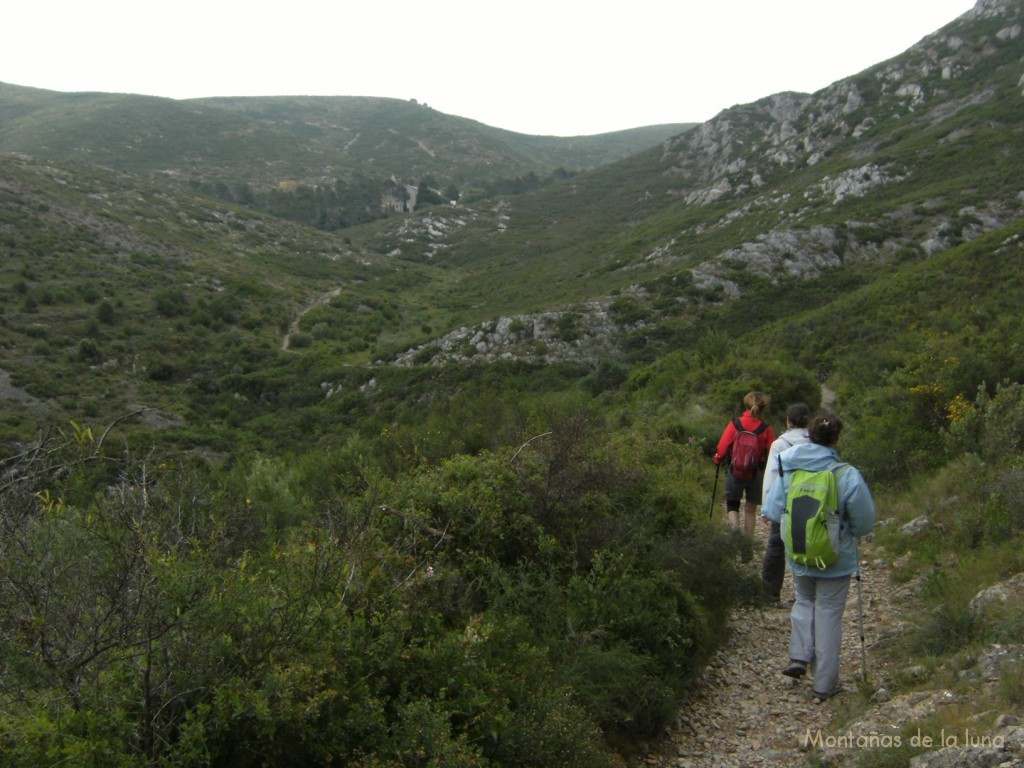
point(837, 470)
point(756, 430)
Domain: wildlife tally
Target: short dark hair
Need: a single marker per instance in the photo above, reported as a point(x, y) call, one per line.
point(825, 428)
point(798, 414)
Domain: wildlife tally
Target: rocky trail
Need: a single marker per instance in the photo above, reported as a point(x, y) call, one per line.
point(744, 712)
point(294, 327)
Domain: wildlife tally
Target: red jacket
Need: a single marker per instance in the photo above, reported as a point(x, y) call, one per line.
point(750, 424)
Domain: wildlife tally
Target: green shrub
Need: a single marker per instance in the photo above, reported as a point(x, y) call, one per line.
point(89, 351)
point(1011, 687)
point(276, 495)
point(949, 629)
point(993, 426)
point(160, 369)
point(171, 302)
point(105, 313)
point(552, 729)
point(637, 638)
point(421, 736)
point(609, 375)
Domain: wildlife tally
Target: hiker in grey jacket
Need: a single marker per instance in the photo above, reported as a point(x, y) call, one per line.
point(817, 616)
point(773, 567)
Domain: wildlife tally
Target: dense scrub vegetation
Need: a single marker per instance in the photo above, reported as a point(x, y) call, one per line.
point(329, 207)
point(532, 604)
point(508, 564)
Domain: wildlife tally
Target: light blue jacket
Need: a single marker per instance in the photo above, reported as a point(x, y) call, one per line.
point(856, 507)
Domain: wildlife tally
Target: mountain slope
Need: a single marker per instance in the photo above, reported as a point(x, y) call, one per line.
point(118, 292)
point(909, 157)
point(265, 141)
point(619, 265)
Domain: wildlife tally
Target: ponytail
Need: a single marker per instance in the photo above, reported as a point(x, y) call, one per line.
point(757, 403)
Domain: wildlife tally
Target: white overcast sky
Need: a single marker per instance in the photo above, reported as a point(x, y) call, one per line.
point(552, 67)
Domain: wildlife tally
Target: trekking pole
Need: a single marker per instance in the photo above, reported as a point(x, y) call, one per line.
point(714, 492)
point(860, 611)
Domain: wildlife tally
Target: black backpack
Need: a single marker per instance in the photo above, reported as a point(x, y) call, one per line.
point(746, 450)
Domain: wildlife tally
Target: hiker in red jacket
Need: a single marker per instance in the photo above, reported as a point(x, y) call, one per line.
point(745, 443)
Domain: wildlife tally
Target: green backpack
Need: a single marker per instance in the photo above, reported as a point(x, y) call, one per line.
point(810, 524)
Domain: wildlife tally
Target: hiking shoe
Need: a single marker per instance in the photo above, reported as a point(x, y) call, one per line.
point(821, 698)
point(795, 669)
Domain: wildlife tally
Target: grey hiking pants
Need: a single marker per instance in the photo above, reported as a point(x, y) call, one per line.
point(817, 627)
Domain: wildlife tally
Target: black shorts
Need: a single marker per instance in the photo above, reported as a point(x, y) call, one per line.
point(736, 488)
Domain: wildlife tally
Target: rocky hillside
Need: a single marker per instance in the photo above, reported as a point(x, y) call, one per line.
point(849, 142)
point(902, 161)
point(627, 262)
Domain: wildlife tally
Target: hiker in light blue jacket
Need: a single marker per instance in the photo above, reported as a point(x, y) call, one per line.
point(817, 616)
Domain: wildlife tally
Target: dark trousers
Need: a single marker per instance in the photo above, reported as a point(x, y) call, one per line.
point(773, 570)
